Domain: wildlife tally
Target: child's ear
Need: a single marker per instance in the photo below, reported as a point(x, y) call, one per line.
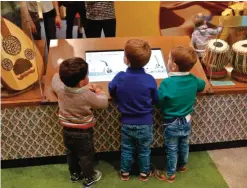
point(126, 61)
point(174, 67)
point(82, 83)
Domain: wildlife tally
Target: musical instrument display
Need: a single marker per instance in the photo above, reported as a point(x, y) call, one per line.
point(216, 57)
point(239, 61)
point(21, 61)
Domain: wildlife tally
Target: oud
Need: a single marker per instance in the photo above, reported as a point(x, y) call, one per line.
point(21, 62)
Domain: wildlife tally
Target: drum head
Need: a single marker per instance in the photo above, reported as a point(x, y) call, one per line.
point(217, 45)
point(240, 47)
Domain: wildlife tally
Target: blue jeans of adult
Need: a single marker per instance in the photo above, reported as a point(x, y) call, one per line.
point(136, 137)
point(176, 135)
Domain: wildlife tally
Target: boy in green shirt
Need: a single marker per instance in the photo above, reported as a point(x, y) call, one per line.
point(177, 95)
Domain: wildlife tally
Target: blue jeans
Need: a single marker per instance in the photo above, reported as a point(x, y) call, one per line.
point(176, 135)
point(137, 137)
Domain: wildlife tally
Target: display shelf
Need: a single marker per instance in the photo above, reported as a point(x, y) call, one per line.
point(62, 49)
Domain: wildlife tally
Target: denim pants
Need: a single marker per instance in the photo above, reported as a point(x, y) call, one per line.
point(176, 135)
point(79, 150)
point(136, 137)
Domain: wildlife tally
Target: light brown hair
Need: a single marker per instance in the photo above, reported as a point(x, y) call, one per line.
point(184, 56)
point(137, 52)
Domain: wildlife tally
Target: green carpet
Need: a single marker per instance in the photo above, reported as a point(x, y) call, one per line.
point(201, 173)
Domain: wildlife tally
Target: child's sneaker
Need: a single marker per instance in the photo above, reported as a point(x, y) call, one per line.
point(182, 169)
point(88, 182)
point(125, 176)
point(163, 176)
point(145, 176)
point(74, 177)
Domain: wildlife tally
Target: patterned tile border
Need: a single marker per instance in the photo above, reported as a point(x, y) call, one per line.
point(34, 131)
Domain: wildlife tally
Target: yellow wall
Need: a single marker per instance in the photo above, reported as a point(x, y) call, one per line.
point(137, 18)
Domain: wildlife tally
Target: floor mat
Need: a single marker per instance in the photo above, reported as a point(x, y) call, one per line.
point(201, 173)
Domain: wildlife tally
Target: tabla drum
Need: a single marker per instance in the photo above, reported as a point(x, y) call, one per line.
point(239, 61)
point(216, 57)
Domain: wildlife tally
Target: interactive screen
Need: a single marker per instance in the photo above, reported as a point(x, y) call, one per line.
point(104, 65)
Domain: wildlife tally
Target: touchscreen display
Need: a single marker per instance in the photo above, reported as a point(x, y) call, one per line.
point(104, 65)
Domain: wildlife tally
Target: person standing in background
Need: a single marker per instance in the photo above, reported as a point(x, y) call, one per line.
point(33, 12)
point(100, 15)
point(16, 12)
point(73, 7)
point(51, 17)
point(10, 10)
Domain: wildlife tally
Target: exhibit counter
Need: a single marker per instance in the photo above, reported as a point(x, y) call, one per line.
point(30, 127)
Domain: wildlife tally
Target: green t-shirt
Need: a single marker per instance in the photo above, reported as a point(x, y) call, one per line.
point(177, 95)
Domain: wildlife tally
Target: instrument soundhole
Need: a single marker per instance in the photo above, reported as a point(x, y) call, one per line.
point(29, 54)
point(11, 45)
point(7, 64)
point(244, 45)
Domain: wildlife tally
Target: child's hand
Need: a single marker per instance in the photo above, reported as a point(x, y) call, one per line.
point(96, 88)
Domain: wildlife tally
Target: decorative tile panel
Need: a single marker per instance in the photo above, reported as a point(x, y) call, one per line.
point(28, 132)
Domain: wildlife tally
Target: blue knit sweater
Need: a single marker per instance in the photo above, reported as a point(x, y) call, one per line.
point(135, 93)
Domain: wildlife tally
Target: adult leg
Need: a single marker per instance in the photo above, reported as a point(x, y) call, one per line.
point(145, 138)
point(50, 27)
point(93, 28)
point(128, 148)
point(109, 27)
point(70, 16)
point(82, 11)
point(35, 19)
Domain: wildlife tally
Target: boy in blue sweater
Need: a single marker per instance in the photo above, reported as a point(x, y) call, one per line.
point(176, 99)
point(135, 93)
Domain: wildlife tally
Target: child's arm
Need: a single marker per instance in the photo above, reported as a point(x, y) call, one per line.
point(200, 84)
point(112, 87)
point(193, 42)
point(56, 83)
point(97, 99)
point(155, 96)
point(162, 93)
point(214, 31)
point(154, 92)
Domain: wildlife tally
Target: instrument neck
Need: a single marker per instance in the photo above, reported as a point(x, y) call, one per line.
point(4, 29)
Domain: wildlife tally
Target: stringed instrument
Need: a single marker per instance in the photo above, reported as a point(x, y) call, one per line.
point(21, 62)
